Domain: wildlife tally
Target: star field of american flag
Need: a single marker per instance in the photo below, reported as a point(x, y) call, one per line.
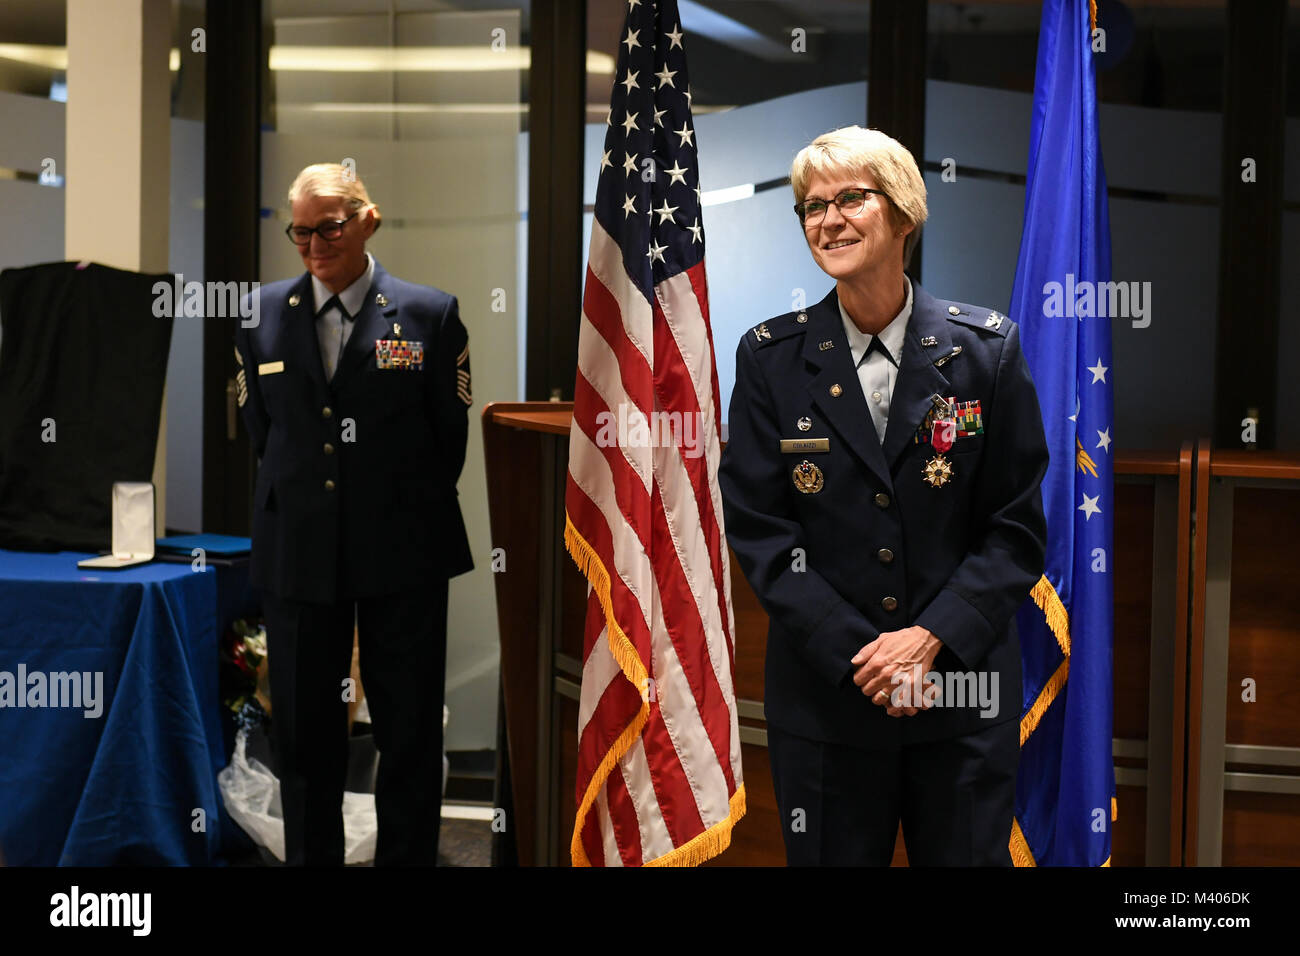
point(655, 218)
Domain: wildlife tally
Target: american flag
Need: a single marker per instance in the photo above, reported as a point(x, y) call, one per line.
point(659, 776)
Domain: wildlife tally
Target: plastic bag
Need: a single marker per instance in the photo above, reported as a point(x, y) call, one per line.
point(252, 797)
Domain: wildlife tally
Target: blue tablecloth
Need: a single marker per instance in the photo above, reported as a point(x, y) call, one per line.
point(127, 785)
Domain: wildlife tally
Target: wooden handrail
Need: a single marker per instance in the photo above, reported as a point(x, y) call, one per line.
point(1238, 463)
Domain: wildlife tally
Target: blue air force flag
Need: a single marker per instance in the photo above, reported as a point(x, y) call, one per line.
point(1065, 791)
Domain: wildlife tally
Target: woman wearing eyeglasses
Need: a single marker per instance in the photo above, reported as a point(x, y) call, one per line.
point(355, 389)
point(881, 491)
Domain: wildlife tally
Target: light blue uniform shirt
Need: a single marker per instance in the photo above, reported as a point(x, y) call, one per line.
point(877, 374)
point(331, 331)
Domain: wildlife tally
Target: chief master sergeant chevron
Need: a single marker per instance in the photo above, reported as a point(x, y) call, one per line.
point(881, 490)
point(355, 389)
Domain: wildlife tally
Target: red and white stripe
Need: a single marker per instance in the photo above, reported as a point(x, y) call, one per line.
point(659, 781)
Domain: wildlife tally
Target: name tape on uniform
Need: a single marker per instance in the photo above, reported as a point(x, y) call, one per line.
point(805, 444)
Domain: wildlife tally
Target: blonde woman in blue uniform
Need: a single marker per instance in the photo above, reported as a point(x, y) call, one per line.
point(881, 490)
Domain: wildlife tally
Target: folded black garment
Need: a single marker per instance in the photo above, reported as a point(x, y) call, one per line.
point(83, 361)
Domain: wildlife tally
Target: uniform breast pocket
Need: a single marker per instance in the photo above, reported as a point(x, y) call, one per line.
point(271, 379)
point(967, 457)
point(968, 445)
point(400, 386)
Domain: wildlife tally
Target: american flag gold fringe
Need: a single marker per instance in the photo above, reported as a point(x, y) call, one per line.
point(705, 845)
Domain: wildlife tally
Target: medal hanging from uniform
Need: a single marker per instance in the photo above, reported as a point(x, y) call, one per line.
point(943, 432)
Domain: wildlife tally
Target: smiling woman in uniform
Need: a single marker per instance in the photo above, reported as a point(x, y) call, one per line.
point(881, 490)
point(355, 390)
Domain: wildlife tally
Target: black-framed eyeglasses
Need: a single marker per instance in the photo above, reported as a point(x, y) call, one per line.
point(851, 202)
point(329, 230)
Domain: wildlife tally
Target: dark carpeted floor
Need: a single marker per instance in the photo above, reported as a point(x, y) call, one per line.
point(460, 843)
point(465, 843)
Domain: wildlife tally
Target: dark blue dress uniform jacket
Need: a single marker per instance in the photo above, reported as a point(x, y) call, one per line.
point(356, 490)
point(957, 560)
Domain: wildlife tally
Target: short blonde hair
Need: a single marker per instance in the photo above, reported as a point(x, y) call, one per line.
point(853, 150)
point(333, 179)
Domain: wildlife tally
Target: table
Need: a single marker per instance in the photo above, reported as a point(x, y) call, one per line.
point(135, 782)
